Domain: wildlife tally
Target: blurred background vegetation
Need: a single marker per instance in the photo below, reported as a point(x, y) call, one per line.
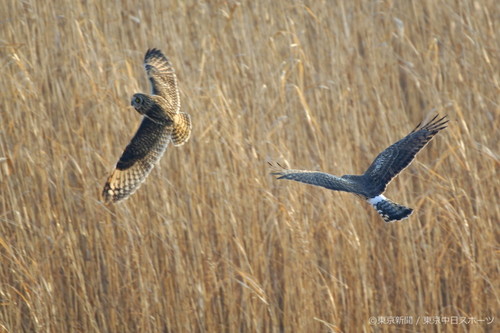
point(211, 243)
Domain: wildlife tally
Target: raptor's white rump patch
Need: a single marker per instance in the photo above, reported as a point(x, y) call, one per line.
point(377, 199)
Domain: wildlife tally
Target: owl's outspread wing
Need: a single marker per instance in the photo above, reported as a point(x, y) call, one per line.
point(162, 77)
point(389, 163)
point(141, 154)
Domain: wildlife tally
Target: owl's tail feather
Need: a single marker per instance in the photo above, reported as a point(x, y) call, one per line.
point(182, 129)
point(390, 211)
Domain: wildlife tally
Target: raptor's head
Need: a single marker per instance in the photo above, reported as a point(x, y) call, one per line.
point(142, 103)
point(151, 106)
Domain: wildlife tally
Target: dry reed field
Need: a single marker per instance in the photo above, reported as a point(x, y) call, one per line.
point(211, 242)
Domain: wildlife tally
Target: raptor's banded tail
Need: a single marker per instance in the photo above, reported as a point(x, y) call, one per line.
point(182, 129)
point(389, 210)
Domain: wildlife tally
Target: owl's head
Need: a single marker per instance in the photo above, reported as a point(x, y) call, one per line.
point(141, 103)
point(151, 106)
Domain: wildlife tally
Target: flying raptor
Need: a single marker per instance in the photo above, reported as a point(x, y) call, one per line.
point(162, 123)
point(372, 184)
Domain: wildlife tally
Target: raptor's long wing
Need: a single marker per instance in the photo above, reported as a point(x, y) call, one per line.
point(398, 156)
point(161, 74)
point(137, 161)
point(316, 178)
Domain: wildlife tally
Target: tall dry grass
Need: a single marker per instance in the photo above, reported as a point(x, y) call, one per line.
point(211, 243)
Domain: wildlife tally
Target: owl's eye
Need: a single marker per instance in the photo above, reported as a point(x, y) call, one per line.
point(137, 100)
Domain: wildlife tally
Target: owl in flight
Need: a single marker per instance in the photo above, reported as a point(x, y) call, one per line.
point(371, 185)
point(162, 122)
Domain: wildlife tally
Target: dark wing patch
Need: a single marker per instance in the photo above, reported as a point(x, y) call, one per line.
point(147, 136)
point(398, 156)
point(137, 161)
point(162, 76)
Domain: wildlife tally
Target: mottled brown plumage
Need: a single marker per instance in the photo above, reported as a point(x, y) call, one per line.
point(163, 122)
